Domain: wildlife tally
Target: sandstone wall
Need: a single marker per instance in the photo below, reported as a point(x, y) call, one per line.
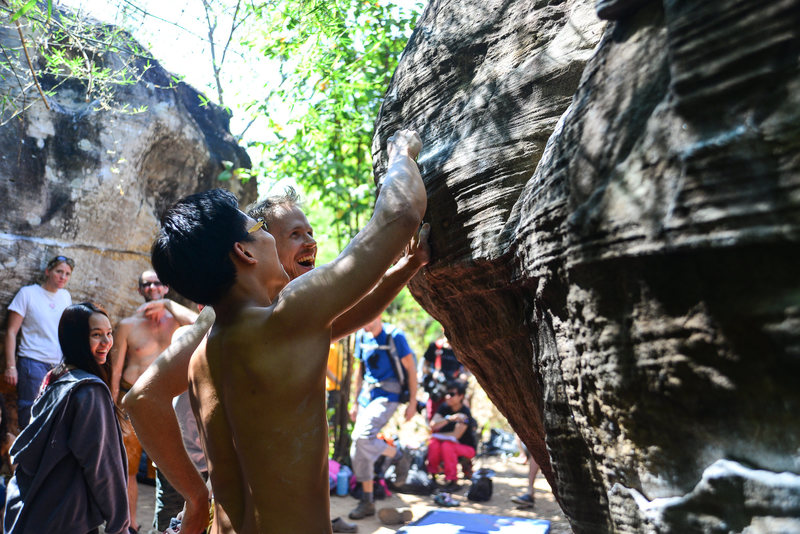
point(615, 211)
point(90, 181)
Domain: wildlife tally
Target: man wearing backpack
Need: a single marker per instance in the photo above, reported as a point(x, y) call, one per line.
point(384, 354)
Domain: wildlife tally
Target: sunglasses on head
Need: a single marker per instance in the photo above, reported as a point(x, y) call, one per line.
point(145, 285)
point(58, 259)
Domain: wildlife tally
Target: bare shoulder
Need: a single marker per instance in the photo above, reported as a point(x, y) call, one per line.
point(124, 327)
point(129, 322)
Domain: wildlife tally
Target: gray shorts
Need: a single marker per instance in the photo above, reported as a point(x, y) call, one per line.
point(366, 446)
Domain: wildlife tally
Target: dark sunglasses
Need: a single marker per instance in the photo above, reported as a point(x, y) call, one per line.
point(145, 285)
point(58, 259)
point(452, 393)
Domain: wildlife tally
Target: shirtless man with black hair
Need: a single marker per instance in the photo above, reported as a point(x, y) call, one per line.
point(269, 345)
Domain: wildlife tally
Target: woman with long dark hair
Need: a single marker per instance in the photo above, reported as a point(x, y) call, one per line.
point(71, 465)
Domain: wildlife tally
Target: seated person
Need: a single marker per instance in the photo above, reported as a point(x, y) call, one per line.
point(453, 435)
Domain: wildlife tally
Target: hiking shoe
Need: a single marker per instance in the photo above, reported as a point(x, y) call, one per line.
point(523, 501)
point(362, 510)
point(395, 516)
point(340, 525)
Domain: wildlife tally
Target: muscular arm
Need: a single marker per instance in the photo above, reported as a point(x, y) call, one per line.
point(182, 314)
point(149, 405)
point(14, 324)
point(390, 285)
point(398, 212)
point(118, 353)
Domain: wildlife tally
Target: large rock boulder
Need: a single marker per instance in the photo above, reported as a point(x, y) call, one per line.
point(90, 180)
point(627, 294)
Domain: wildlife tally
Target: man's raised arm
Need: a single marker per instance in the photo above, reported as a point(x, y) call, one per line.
point(149, 405)
point(417, 255)
point(154, 309)
point(398, 213)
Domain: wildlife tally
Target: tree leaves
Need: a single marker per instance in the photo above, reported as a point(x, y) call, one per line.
point(27, 7)
point(336, 59)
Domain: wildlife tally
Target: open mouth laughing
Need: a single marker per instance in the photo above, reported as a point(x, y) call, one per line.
point(307, 260)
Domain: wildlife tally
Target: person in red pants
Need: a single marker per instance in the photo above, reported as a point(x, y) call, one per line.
point(453, 435)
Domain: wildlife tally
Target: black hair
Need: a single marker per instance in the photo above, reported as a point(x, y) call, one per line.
point(73, 336)
point(191, 253)
point(459, 385)
point(266, 208)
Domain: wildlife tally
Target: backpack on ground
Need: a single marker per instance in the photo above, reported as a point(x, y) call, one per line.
point(417, 481)
point(482, 486)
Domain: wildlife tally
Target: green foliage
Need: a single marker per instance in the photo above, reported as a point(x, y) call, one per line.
point(419, 327)
point(27, 7)
point(229, 172)
point(335, 61)
point(65, 49)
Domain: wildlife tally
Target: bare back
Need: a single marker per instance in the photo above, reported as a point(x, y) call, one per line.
point(259, 398)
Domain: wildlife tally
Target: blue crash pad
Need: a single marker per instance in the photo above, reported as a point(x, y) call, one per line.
point(452, 522)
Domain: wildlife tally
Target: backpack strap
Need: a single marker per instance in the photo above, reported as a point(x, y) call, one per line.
point(391, 348)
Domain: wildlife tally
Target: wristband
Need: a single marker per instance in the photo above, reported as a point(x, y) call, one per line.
point(12, 367)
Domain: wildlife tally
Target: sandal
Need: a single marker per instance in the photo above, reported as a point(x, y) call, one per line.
point(446, 500)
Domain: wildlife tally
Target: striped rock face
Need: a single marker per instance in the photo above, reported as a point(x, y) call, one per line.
point(615, 212)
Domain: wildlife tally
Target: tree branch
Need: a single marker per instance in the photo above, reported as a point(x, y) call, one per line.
point(30, 65)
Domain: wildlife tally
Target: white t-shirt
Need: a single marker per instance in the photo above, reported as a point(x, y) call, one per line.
point(40, 311)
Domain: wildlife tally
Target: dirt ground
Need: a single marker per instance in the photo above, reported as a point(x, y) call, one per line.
point(510, 480)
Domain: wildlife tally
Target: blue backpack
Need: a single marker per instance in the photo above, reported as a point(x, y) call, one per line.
point(399, 370)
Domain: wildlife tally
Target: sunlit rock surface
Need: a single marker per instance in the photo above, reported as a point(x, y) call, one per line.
point(623, 283)
point(91, 183)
